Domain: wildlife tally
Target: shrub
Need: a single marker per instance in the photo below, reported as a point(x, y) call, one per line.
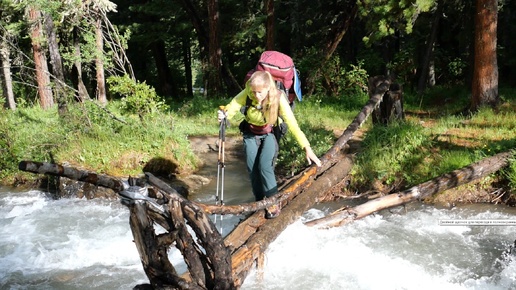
point(137, 98)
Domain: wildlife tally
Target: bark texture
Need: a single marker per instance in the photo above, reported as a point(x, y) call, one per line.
point(453, 179)
point(40, 62)
point(56, 64)
point(485, 71)
point(7, 81)
point(99, 63)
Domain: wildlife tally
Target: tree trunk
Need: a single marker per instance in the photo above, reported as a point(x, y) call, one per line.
point(99, 63)
point(56, 64)
point(77, 69)
point(166, 83)
point(7, 81)
point(72, 173)
point(40, 61)
point(426, 68)
point(251, 238)
point(329, 159)
point(269, 26)
point(209, 267)
point(485, 71)
point(453, 179)
point(193, 11)
point(391, 105)
point(205, 40)
point(187, 61)
point(214, 79)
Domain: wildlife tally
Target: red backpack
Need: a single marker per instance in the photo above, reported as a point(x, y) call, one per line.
point(282, 70)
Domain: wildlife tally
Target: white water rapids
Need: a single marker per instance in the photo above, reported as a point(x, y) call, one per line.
point(87, 244)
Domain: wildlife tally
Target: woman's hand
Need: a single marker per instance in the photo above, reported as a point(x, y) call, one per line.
point(310, 156)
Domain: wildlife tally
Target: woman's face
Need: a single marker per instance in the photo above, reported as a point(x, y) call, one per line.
point(260, 92)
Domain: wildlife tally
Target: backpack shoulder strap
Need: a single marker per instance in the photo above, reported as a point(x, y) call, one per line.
point(248, 103)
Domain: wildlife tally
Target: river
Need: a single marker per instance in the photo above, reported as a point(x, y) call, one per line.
point(87, 244)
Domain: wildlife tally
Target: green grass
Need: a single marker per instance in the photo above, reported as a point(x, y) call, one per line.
point(433, 140)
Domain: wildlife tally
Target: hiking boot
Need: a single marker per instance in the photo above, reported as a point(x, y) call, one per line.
point(272, 211)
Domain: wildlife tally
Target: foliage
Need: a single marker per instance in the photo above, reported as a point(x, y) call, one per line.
point(126, 146)
point(337, 78)
point(115, 142)
point(137, 98)
point(92, 137)
point(395, 32)
point(341, 80)
point(510, 173)
point(442, 100)
point(386, 17)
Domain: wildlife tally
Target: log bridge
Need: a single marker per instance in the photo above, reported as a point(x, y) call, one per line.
point(215, 262)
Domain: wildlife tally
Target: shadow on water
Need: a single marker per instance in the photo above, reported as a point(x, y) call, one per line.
point(233, 176)
point(232, 179)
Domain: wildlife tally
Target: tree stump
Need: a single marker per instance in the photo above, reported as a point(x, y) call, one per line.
point(391, 105)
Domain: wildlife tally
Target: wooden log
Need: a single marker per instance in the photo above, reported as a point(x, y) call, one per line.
point(217, 254)
point(376, 94)
point(192, 253)
point(210, 268)
point(449, 180)
point(152, 253)
point(328, 160)
point(259, 240)
point(72, 173)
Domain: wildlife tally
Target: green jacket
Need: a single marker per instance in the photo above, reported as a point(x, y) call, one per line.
point(255, 116)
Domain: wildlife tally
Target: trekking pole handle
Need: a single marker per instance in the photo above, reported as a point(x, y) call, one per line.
point(223, 123)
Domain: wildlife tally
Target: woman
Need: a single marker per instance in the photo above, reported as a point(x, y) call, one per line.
point(263, 103)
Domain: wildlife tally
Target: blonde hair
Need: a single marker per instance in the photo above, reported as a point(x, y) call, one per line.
point(264, 80)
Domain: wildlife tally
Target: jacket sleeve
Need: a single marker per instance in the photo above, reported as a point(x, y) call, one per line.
point(288, 117)
point(236, 103)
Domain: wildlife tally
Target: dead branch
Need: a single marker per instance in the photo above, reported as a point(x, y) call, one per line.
point(449, 180)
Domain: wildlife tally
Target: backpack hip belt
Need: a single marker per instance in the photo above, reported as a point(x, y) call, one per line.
point(260, 130)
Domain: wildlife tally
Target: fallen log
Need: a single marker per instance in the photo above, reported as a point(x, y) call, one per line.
point(207, 258)
point(72, 173)
point(262, 236)
point(439, 184)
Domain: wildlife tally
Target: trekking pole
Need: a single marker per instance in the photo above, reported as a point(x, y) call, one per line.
point(220, 168)
point(220, 162)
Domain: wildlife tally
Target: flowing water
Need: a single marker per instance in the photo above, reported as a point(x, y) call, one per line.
point(87, 244)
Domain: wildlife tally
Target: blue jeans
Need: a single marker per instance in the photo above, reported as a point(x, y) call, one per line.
point(261, 152)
